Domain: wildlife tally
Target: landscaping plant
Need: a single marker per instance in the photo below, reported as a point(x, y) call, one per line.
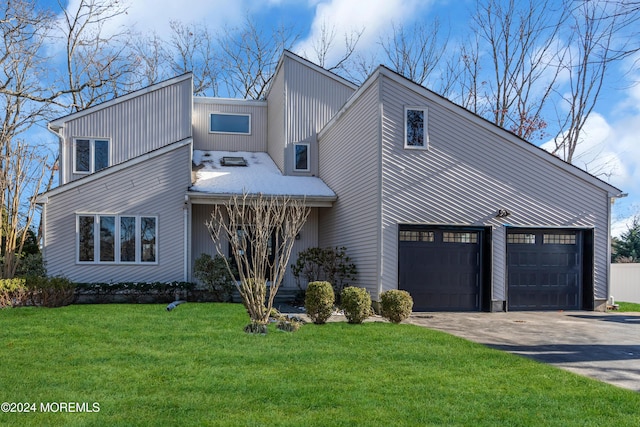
point(213, 272)
point(332, 265)
point(318, 301)
point(356, 303)
point(396, 305)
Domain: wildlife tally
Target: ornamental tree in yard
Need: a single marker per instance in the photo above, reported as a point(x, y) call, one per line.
point(260, 232)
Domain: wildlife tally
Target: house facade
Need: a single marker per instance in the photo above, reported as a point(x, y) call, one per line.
point(425, 195)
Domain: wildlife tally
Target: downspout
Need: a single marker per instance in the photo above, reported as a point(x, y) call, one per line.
point(56, 132)
point(612, 200)
point(185, 240)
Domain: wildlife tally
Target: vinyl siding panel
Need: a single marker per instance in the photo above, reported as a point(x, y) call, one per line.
point(155, 188)
point(312, 99)
point(134, 127)
point(201, 241)
point(204, 140)
point(276, 140)
point(468, 173)
point(349, 155)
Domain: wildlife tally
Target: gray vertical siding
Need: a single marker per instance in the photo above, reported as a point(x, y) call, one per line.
point(312, 98)
point(204, 140)
point(470, 171)
point(153, 187)
point(276, 117)
point(134, 126)
point(201, 241)
point(350, 165)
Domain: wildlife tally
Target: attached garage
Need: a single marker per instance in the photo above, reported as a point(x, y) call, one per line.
point(549, 269)
point(443, 267)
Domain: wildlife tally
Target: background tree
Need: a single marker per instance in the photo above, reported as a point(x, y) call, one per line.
point(626, 248)
point(260, 231)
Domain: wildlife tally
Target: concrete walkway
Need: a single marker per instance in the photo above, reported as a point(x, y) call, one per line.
point(604, 346)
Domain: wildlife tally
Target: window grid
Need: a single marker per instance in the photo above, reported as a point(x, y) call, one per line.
point(416, 236)
point(559, 239)
point(459, 237)
point(521, 238)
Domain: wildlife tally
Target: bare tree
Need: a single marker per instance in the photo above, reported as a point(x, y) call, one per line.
point(325, 44)
point(98, 64)
point(261, 231)
point(249, 56)
point(514, 84)
point(23, 29)
point(415, 52)
point(593, 44)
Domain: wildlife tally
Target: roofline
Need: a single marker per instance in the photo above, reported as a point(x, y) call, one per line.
point(43, 198)
point(481, 121)
point(228, 101)
point(289, 54)
point(200, 198)
point(59, 122)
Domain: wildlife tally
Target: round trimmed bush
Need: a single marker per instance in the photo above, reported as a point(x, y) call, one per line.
point(396, 305)
point(356, 303)
point(319, 301)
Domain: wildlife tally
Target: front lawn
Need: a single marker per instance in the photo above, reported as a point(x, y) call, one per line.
point(628, 307)
point(143, 365)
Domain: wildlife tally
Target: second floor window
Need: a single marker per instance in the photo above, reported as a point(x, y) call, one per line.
point(230, 123)
point(301, 160)
point(90, 155)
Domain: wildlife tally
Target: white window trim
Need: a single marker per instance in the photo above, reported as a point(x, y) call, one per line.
point(96, 240)
point(229, 114)
point(92, 158)
point(425, 136)
point(308, 157)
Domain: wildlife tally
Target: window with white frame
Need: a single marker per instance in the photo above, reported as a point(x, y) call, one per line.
point(116, 239)
point(90, 155)
point(415, 128)
point(301, 157)
point(230, 123)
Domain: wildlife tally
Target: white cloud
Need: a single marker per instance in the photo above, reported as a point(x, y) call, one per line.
point(375, 17)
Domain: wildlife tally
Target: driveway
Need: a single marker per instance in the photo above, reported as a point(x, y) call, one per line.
point(604, 346)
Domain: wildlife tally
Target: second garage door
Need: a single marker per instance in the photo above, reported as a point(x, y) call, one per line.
point(544, 269)
point(441, 267)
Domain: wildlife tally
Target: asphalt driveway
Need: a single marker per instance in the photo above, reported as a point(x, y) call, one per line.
point(605, 346)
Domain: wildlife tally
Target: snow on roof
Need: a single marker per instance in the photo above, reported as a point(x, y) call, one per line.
point(261, 175)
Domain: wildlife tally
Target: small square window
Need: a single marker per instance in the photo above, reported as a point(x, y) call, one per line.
point(415, 128)
point(90, 155)
point(301, 160)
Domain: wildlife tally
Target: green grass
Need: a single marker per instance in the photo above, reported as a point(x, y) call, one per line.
point(195, 366)
point(628, 307)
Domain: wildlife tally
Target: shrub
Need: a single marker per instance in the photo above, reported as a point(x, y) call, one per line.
point(214, 274)
point(356, 303)
point(319, 301)
point(325, 264)
point(37, 291)
point(288, 325)
point(396, 305)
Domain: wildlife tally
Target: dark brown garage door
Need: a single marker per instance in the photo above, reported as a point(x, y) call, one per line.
point(441, 267)
point(544, 269)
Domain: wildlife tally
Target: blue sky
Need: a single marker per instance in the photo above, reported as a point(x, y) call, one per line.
point(612, 136)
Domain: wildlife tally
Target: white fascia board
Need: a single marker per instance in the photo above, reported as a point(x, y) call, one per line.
point(199, 198)
point(44, 197)
point(228, 101)
point(58, 123)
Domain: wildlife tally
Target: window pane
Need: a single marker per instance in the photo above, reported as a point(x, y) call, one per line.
point(459, 237)
point(85, 238)
point(415, 128)
point(230, 123)
point(522, 238)
point(127, 239)
point(559, 239)
point(82, 155)
point(108, 238)
point(302, 151)
point(148, 239)
point(101, 154)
